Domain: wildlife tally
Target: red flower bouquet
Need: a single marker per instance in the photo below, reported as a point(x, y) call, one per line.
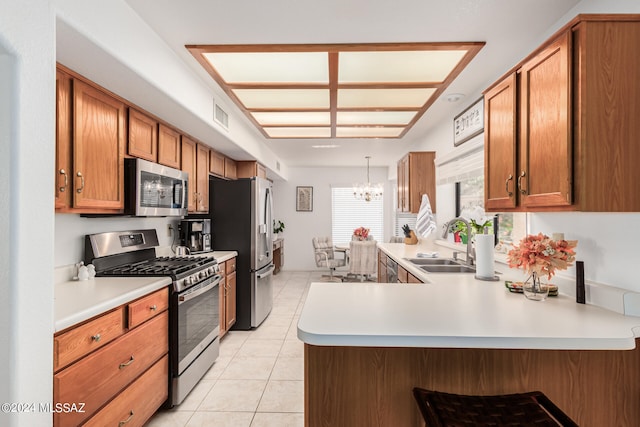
point(361, 233)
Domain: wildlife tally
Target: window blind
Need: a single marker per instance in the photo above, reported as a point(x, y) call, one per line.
point(348, 213)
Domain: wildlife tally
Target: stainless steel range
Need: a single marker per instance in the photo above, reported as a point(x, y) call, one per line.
point(193, 302)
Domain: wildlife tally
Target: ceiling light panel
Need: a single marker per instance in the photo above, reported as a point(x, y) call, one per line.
point(314, 118)
point(368, 132)
point(298, 132)
point(383, 98)
point(397, 66)
point(271, 67)
point(283, 98)
point(374, 117)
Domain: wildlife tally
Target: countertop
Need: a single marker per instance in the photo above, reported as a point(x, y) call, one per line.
point(77, 301)
point(455, 311)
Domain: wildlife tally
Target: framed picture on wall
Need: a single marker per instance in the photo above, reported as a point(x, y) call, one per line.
point(469, 123)
point(304, 199)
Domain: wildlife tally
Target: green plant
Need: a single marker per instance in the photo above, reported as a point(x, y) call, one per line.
point(278, 226)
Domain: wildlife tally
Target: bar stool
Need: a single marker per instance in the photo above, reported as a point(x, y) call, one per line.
point(524, 409)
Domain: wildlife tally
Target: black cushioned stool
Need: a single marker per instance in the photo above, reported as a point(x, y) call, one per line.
point(454, 410)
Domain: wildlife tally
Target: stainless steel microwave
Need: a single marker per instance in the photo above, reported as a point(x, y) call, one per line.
point(152, 189)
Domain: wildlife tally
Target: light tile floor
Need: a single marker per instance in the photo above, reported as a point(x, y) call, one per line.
point(258, 379)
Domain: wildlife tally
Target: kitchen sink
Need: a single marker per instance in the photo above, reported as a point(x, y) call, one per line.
point(448, 268)
point(433, 261)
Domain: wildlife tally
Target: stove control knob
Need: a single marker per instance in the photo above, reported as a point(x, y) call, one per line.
point(187, 281)
point(211, 271)
point(203, 274)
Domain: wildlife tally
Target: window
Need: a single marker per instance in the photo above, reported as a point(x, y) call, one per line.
point(347, 214)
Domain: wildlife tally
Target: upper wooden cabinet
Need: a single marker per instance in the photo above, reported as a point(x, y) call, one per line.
point(169, 147)
point(216, 163)
point(230, 168)
point(248, 169)
point(90, 148)
point(143, 136)
point(416, 176)
point(560, 127)
point(202, 178)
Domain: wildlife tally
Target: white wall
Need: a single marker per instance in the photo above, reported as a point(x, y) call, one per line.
point(27, 107)
point(301, 227)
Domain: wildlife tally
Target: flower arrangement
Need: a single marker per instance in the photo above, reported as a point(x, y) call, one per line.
point(361, 233)
point(542, 255)
point(478, 219)
point(278, 226)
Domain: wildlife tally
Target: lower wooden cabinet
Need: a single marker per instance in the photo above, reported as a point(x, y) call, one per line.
point(382, 267)
point(227, 296)
point(114, 377)
point(278, 255)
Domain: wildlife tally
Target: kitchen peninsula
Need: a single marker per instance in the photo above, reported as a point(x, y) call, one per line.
point(368, 345)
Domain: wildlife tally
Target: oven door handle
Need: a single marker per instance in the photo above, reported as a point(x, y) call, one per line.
point(194, 294)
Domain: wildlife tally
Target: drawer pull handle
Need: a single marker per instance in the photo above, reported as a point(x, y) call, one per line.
point(506, 185)
point(121, 423)
point(125, 364)
point(96, 337)
point(153, 307)
point(66, 180)
point(522, 175)
point(79, 174)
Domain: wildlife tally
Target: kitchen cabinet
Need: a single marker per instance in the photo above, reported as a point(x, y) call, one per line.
point(382, 267)
point(169, 147)
point(216, 164)
point(559, 127)
point(278, 255)
point(227, 295)
point(90, 141)
point(195, 161)
point(230, 168)
point(248, 169)
point(143, 136)
point(111, 361)
point(416, 176)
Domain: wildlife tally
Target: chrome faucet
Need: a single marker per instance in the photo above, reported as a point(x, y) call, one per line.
point(470, 255)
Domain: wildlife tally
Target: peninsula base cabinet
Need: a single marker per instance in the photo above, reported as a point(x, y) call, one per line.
point(560, 128)
point(227, 296)
point(372, 386)
point(114, 365)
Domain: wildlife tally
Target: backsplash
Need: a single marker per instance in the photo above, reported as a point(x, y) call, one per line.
point(70, 230)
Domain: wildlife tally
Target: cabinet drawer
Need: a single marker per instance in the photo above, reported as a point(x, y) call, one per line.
point(146, 307)
point(231, 265)
point(138, 402)
point(98, 377)
point(75, 343)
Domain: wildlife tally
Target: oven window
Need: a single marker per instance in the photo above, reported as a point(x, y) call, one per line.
point(197, 318)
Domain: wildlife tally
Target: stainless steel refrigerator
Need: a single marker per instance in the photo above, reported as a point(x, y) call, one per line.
point(242, 220)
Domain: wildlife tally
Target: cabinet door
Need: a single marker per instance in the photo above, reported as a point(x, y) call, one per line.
point(216, 163)
point(545, 176)
point(143, 136)
point(230, 300)
point(202, 174)
point(420, 169)
point(63, 181)
point(169, 149)
point(98, 148)
point(189, 166)
point(500, 140)
point(230, 168)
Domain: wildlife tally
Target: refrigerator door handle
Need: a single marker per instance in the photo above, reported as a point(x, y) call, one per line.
point(268, 273)
point(268, 212)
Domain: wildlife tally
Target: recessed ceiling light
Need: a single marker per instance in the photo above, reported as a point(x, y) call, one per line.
point(377, 90)
point(454, 97)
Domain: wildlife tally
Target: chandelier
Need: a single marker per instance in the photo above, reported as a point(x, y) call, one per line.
point(367, 191)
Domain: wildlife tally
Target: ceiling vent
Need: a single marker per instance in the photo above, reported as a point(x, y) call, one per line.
point(220, 116)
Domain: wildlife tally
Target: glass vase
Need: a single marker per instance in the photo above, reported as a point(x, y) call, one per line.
point(534, 289)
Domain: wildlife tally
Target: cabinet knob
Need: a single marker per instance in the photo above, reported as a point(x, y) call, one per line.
point(153, 307)
point(96, 337)
point(66, 180)
point(79, 174)
point(522, 189)
point(506, 185)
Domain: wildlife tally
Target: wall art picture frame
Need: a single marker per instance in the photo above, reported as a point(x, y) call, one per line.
point(469, 123)
point(304, 199)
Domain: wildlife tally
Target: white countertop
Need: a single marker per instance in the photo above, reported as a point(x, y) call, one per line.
point(77, 301)
point(455, 311)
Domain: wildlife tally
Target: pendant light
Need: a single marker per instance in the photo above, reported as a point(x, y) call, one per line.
point(367, 191)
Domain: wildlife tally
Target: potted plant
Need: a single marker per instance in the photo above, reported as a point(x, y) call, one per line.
point(278, 227)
